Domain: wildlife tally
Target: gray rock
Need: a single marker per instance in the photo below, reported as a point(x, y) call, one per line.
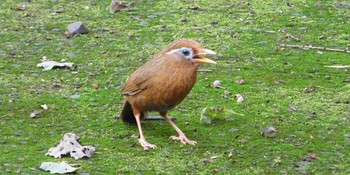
point(77, 28)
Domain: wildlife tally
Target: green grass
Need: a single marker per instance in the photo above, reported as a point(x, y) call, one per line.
point(290, 89)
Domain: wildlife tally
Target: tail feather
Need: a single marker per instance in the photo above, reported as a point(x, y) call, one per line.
point(127, 115)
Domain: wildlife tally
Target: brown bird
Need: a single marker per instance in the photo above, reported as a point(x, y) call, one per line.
point(162, 83)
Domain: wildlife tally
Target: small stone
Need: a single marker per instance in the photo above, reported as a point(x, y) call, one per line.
point(35, 114)
point(233, 130)
point(77, 28)
point(68, 35)
point(230, 119)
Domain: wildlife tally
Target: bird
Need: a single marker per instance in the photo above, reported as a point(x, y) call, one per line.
point(162, 83)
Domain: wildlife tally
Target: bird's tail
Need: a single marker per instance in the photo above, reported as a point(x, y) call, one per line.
point(127, 115)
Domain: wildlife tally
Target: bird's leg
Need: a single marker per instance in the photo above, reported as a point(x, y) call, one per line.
point(142, 140)
point(182, 137)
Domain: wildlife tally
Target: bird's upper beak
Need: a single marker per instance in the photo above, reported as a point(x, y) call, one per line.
point(203, 59)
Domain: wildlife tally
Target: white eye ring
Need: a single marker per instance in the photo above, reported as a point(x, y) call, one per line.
point(184, 51)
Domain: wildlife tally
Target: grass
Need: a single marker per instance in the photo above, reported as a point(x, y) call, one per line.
point(289, 89)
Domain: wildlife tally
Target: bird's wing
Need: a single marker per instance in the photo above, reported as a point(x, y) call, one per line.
point(134, 86)
point(140, 79)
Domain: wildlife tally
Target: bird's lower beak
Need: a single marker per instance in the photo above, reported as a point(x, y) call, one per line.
point(206, 60)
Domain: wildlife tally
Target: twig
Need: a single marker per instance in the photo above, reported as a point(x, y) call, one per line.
point(338, 67)
point(158, 118)
point(312, 47)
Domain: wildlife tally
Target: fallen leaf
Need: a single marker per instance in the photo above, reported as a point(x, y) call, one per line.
point(35, 114)
point(214, 157)
point(117, 6)
point(21, 7)
point(243, 140)
point(208, 160)
point(312, 155)
point(95, 86)
point(48, 65)
point(216, 170)
point(57, 168)
point(230, 154)
point(136, 17)
point(134, 136)
point(68, 34)
point(277, 159)
point(311, 136)
point(44, 106)
point(239, 80)
point(226, 94)
point(70, 145)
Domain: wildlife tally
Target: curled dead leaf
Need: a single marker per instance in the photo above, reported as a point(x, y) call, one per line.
point(239, 80)
point(226, 94)
point(240, 98)
point(217, 84)
point(117, 6)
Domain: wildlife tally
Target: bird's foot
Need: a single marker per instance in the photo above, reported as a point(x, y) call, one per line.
point(184, 140)
point(146, 145)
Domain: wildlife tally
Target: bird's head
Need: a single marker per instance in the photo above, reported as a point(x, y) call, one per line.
point(189, 50)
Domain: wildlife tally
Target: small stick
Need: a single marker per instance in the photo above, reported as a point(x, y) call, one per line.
point(205, 70)
point(158, 118)
point(312, 47)
point(151, 118)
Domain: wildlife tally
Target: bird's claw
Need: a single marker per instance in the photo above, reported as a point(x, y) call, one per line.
point(183, 139)
point(146, 145)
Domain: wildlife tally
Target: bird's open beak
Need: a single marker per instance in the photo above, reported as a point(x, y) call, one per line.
point(203, 59)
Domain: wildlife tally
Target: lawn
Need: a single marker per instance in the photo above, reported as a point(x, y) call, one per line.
point(287, 88)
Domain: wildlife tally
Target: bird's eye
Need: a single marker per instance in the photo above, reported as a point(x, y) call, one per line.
point(186, 52)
